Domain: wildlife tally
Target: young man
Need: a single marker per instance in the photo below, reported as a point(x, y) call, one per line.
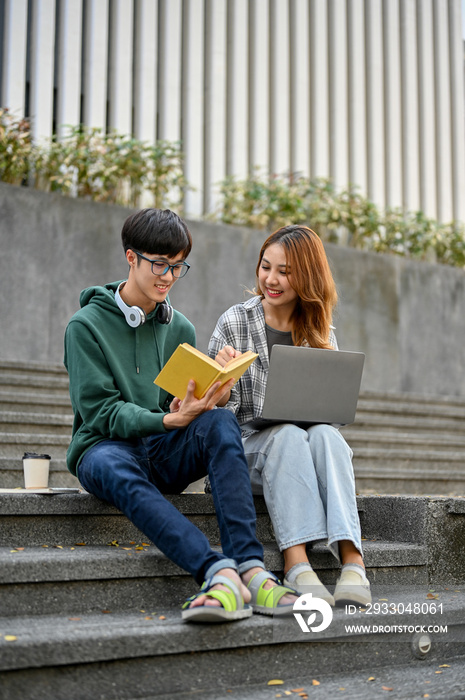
point(132, 442)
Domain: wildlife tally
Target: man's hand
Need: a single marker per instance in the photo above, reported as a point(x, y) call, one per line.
point(183, 412)
point(226, 354)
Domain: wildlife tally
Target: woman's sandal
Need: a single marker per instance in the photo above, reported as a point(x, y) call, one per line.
point(233, 606)
point(266, 601)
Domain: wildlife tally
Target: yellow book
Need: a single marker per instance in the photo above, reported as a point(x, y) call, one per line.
point(187, 363)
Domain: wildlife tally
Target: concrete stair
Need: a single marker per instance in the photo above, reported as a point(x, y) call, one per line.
point(35, 416)
point(402, 443)
point(407, 443)
point(89, 608)
point(94, 607)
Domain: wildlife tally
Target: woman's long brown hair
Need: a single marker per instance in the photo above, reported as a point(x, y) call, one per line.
point(311, 278)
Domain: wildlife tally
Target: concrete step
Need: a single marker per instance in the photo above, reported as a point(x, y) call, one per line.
point(406, 423)
point(378, 468)
point(387, 463)
point(64, 519)
point(45, 369)
point(69, 579)
point(409, 403)
point(399, 682)
point(72, 556)
point(54, 384)
point(35, 386)
point(35, 402)
point(402, 443)
point(357, 435)
point(441, 442)
point(11, 472)
point(400, 457)
point(39, 375)
point(73, 549)
point(379, 515)
point(437, 523)
point(153, 653)
point(101, 603)
point(409, 471)
point(14, 444)
point(14, 464)
point(22, 421)
point(69, 518)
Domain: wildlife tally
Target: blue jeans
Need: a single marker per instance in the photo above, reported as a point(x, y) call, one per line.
point(307, 480)
point(133, 475)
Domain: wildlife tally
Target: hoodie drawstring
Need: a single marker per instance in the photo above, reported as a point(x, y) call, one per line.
point(137, 350)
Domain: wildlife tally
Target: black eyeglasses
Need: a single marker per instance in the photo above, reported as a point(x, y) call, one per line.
point(161, 267)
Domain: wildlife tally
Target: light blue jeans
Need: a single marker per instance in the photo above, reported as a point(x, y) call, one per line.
point(307, 480)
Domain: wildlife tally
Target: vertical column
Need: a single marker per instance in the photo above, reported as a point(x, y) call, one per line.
point(14, 57)
point(338, 113)
point(215, 101)
point(300, 87)
point(192, 104)
point(411, 157)
point(120, 73)
point(393, 105)
point(42, 64)
point(237, 91)
point(443, 112)
point(95, 63)
point(145, 69)
point(357, 96)
point(426, 108)
point(259, 92)
point(169, 78)
point(319, 80)
point(457, 110)
point(279, 87)
point(375, 102)
point(68, 103)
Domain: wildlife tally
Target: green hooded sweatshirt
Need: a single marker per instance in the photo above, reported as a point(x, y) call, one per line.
point(111, 369)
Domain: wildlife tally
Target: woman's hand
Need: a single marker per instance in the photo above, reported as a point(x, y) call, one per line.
point(184, 412)
point(226, 354)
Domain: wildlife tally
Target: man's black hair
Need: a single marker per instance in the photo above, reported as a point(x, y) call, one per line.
point(156, 231)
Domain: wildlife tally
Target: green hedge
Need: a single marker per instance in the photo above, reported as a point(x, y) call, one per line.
point(122, 170)
point(88, 163)
point(346, 217)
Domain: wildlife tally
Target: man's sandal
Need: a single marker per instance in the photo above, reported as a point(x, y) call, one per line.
point(266, 601)
point(233, 606)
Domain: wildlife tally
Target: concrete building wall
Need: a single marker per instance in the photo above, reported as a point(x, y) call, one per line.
point(367, 92)
point(406, 316)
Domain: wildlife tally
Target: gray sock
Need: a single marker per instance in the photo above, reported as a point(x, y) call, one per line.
point(357, 568)
point(297, 569)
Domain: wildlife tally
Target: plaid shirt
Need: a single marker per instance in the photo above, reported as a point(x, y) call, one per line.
point(243, 327)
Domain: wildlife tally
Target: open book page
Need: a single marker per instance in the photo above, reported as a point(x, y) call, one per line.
point(47, 490)
point(189, 363)
point(240, 360)
point(201, 355)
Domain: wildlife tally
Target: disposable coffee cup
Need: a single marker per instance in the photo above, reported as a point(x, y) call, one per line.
point(36, 470)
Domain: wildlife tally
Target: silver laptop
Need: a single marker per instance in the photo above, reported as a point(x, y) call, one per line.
point(309, 385)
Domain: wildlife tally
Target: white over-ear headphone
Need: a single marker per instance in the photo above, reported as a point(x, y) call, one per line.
point(135, 316)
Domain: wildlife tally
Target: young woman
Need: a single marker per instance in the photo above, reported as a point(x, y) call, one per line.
point(306, 476)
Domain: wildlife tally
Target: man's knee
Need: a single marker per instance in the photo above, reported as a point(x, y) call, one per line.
point(220, 421)
point(108, 464)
